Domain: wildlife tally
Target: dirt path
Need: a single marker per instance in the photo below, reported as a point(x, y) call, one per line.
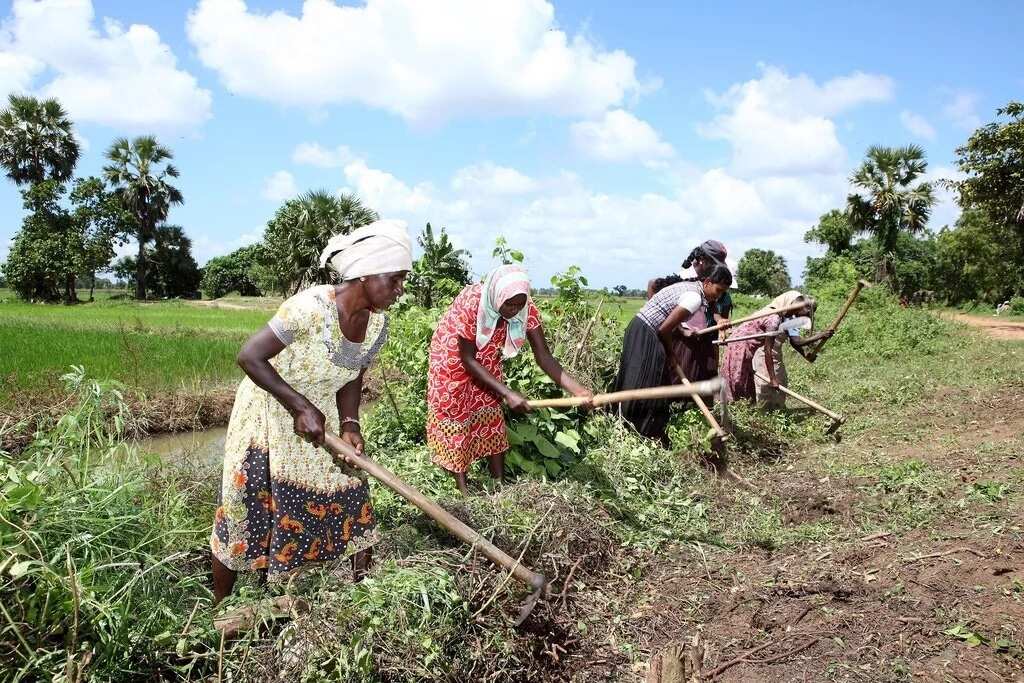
point(997, 327)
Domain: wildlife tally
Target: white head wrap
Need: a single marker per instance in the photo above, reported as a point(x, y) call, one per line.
point(380, 247)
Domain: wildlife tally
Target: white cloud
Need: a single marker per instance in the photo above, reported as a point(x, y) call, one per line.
point(917, 125)
point(962, 110)
point(411, 58)
point(489, 178)
point(780, 124)
point(620, 137)
point(122, 77)
point(313, 154)
point(279, 187)
point(616, 238)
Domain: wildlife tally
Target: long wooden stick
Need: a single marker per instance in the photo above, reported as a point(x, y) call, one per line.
point(861, 284)
point(707, 387)
point(704, 410)
point(463, 531)
point(756, 316)
point(803, 399)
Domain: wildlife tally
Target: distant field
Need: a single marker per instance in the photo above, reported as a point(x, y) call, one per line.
point(150, 346)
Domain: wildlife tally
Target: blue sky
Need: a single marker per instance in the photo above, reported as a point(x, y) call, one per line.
point(610, 135)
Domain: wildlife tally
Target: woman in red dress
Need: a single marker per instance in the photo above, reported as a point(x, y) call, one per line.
point(465, 389)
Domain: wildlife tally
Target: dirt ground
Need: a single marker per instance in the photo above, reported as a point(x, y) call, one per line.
point(922, 581)
point(996, 327)
point(937, 597)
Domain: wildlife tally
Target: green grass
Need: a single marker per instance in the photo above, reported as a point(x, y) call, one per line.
point(149, 346)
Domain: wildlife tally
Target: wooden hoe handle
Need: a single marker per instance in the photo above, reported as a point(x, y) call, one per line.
point(463, 531)
point(701, 405)
point(861, 284)
point(706, 387)
point(755, 316)
point(803, 399)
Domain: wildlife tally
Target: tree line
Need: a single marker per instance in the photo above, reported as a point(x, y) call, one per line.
point(881, 234)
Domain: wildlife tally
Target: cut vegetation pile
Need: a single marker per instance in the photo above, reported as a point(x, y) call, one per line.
point(894, 553)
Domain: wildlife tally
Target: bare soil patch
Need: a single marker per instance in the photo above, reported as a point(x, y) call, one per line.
point(996, 327)
point(937, 603)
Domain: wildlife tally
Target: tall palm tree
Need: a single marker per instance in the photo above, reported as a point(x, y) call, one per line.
point(441, 268)
point(37, 142)
point(139, 173)
point(300, 230)
point(892, 201)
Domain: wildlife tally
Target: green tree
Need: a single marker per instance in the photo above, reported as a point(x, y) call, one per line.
point(139, 170)
point(993, 159)
point(232, 272)
point(171, 270)
point(441, 272)
point(762, 271)
point(300, 230)
point(893, 199)
point(46, 254)
point(833, 231)
point(979, 259)
point(102, 222)
point(37, 141)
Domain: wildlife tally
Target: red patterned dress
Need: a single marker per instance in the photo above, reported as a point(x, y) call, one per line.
point(465, 421)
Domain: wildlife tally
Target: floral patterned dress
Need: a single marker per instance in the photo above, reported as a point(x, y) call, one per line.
point(739, 358)
point(464, 420)
point(284, 502)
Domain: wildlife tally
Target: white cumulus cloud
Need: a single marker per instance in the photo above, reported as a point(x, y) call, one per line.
point(619, 136)
point(962, 110)
point(125, 77)
point(280, 186)
point(917, 125)
point(781, 124)
point(313, 154)
point(426, 60)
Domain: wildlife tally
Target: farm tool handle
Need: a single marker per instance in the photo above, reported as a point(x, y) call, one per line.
point(704, 410)
point(756, 316)
point(861, 284)
point(836, 417)
point(671, 391)
point(463, 531)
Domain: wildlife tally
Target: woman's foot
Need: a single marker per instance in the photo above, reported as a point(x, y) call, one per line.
point(223, 580)
point(460, 482)
point(361, 563)
point(496, 467)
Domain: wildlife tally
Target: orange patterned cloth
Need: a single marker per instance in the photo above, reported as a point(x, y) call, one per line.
point(465, 421)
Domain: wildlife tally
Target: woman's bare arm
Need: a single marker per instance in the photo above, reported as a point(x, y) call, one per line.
point(254, 359)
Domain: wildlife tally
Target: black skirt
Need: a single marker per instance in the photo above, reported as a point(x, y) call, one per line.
point(642, 365)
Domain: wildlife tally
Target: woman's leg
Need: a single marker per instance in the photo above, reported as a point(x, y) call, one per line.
point(460, 481)
point(361, 563)
point(496, 466)
point(223, 580)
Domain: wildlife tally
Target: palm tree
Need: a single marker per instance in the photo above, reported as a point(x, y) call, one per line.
point(138, 179)
point(36, 141)
point(300, 230)
point(442, 267)
point(892, 202)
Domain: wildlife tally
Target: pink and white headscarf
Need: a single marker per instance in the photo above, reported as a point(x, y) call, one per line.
point(500, 285)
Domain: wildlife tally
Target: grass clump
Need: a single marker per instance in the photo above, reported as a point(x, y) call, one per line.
point(99, 550)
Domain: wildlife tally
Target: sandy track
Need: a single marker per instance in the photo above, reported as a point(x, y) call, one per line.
point(996, 327)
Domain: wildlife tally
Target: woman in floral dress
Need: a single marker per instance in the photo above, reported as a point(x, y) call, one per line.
point(284, 503)
point(745, 359)
point(486, 322)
